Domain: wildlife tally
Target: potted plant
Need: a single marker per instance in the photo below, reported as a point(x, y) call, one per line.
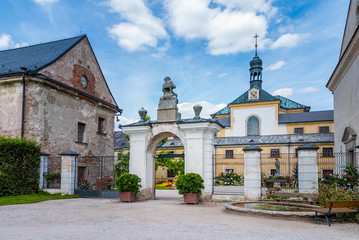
point(190, 185)
point(128, 185)
point(108, 183)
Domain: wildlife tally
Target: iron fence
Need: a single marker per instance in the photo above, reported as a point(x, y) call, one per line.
point(95, 176)
point(228, 171)
point(52, 172)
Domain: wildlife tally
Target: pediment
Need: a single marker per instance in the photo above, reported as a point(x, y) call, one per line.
point(348, 135)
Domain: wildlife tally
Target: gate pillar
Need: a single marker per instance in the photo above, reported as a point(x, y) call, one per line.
point(307, 169)
point(252, 172)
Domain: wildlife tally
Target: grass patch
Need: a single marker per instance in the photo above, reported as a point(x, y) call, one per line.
point(33, 198)
point(165, 188)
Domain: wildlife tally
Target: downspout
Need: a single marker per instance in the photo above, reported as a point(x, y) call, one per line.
point(24, 71)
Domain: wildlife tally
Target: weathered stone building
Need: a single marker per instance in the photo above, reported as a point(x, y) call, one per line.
point(55, 93)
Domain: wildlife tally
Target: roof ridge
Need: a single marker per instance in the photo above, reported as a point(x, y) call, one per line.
point(38, 44)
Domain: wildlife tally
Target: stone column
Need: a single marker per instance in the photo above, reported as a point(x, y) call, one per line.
point(68, 172)
point(141, 161)
point(307, 169)
point(252, 172)
point(43, 169)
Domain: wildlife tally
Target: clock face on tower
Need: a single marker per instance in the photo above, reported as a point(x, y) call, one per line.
point(253, 94)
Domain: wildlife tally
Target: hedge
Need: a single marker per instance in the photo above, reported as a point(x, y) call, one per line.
point(19, 166)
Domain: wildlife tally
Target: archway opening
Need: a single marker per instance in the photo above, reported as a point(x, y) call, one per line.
point(168, 163)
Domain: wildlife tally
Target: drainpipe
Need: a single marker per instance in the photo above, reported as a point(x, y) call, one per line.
point(24, 71)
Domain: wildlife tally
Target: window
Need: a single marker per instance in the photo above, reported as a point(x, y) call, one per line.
point(80, 132)
point(101, 125)
point(229, 153)
point(229, 170)
point(253, 126)
point(299, 130)
point(273, 172)
point(170, 173)
point(327, 171)
point(327, 152)
point(324, 129)
point(274, 152)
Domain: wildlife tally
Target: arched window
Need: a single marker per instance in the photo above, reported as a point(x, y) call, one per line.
point(253, 126)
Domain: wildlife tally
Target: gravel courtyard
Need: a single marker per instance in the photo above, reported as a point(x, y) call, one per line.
point(165, 218)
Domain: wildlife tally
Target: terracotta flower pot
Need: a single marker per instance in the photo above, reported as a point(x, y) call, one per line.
point(127, 197)
point(191, 198)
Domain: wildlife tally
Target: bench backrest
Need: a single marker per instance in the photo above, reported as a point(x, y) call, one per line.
point(342, 204)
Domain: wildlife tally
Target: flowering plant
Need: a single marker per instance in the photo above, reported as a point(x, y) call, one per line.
point(83, 184)
point(229, 178)
point(54, 177)
point(108, 179)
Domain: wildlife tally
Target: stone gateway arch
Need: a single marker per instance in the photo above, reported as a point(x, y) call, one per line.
point(197, 135)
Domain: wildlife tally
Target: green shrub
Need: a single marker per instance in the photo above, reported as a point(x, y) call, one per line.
point(128, 183)
point(83, 184)
point(122, 166)
point(19, 166)
point(190, 183)
point(332, 193)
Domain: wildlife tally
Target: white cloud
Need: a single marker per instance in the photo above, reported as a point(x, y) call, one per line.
point(186, 109)
point(140, 28)
point(44, 1)
point(289, 40)
point(221, 75)
point(6, 42)
point(285, 92)
point(309, 90)
point(275, 66)
point(228, 28)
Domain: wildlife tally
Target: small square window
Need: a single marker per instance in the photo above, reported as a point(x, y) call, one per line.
point(273, 172)
point(101, 125)
point(275, 152)
point(324, 129)
point(80, 132)
point(328, 171)
point(229, 170)
point(298, 130)
point(229, 153)
point(327, 152)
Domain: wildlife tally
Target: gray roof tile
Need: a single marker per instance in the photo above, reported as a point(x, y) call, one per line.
point(318, 116)
point(264, 140)
point(35, 57)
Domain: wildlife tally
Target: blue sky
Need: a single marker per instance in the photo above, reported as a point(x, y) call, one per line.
point(204, 46)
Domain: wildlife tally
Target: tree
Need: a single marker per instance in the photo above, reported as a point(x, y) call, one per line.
point(175, 165)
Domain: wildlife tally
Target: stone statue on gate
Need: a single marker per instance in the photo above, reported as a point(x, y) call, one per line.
point(277, 168)
point(167, 106)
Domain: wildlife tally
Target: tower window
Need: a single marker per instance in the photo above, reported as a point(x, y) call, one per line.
point(298, 130)
point(324, 129)
point(253, 126)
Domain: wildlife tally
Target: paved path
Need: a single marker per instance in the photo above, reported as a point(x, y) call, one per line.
point(165, 218)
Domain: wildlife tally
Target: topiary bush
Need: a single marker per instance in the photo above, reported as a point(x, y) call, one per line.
point(190, 183)
point(19, 166)
point(128, 183)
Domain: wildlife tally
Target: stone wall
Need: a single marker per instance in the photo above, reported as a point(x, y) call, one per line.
point(52, 115)
point(10, 107)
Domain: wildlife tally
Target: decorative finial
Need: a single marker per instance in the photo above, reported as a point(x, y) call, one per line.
point(142, 112)
point(197, 111)
point(256, 36)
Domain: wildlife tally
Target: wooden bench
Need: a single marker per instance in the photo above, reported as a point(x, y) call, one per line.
point(300, 196)
point(332, 208)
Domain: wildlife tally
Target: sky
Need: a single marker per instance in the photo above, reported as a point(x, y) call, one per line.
point(204, 46)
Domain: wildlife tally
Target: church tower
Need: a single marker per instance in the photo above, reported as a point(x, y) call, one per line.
point(256, 70)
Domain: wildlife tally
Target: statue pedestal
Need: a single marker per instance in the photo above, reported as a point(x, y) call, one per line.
point(169, 114)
